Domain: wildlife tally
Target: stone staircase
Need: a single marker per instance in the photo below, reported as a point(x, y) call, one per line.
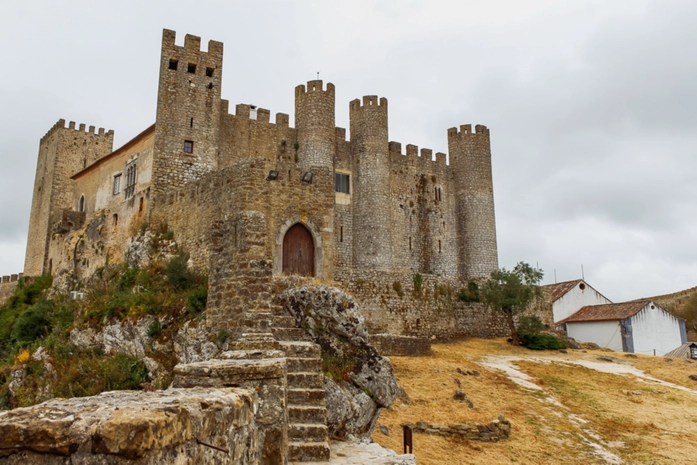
point(307, 414)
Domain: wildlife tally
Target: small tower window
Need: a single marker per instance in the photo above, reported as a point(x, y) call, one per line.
point(173, 64)
point(81, 203)
point(209, 72)
point(117, 184)
point(191, 68)
point(342, 183)
point(188, 146)
point(438, 194)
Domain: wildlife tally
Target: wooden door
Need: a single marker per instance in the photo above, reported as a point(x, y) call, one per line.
point(299, 251)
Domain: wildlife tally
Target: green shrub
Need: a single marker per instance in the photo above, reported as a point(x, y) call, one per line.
point(541, 342)
point(222, 336)
point(197, 299)
point(530, 325)
point(178, 273)
point(470, 293)
point(418, 281)
point(32, 324)
point(155, 329)
point(128, 278)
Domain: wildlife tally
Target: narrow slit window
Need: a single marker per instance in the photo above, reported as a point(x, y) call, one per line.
point(191, 123)
point(173, 64)
point(191, 68)
point(439, 247)
point(188, 146)
point(409, 242)
point(115, 219)
point(81, 204)
point(142, 202)
point(341, 234)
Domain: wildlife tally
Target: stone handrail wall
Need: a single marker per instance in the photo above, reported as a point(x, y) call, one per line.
point(491, 432)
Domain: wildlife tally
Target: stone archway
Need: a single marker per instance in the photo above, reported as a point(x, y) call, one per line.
point(298, 251)
point(316, 241)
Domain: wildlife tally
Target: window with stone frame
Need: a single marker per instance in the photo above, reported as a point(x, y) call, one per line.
point(342, 183)
point(188, 146)
point(117, 184)
point(130, 180)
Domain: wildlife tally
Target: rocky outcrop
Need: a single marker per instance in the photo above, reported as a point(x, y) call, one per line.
point(202, 426)
point(363, 381)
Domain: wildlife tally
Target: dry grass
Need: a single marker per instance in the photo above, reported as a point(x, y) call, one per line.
point(575, 407)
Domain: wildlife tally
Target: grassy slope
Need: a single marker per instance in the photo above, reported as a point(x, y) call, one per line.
point(652, 424)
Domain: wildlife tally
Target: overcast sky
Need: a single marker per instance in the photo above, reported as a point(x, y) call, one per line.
point(592, 105)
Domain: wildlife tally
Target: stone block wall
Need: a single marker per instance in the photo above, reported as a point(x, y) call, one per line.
point(401, 346)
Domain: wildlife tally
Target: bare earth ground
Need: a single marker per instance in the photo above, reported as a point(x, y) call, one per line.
point(565, 408)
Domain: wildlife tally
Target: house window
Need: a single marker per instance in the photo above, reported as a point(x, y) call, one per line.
point(81, 203)
point(188, 146)
point(693, 352)
point(117, 184)
point(130, 180)
point(342, 183)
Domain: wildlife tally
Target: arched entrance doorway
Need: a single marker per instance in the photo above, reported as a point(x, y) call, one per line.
point(298, 251)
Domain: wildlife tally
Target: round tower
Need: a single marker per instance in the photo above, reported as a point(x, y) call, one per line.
point(314, 120)
point(372, 244)
point(470, 159)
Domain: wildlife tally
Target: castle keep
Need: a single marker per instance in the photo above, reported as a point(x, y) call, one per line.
point(250, 199)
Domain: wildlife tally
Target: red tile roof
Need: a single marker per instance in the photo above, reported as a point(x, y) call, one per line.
point(559, 289)
point(607, 312)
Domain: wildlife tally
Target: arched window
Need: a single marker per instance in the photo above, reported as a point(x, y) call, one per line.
point(81, 203)
point(130, 180)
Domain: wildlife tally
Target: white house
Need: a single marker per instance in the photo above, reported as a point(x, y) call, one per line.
point(639, 326)
point(570, 296)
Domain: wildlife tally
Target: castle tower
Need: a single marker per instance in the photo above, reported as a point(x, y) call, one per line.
point(470, 158)
point(188, 111)
point(62, 153)
point(372, 244)
point(314, 120)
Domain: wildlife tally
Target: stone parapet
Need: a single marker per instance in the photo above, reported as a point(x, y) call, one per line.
point(202, 426)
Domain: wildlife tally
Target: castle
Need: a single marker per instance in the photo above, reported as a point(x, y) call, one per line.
point(245, 196)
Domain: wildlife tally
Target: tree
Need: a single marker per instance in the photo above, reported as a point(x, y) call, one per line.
point(511, 292)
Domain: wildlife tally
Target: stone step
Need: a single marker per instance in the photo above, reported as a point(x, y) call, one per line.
point(307, 414)
point(289, 334)
point(305, 380)
point(306, 397)
point(301, 349)
point(312, 432)
point(308, 451)
point(299, 365)
point(255, 324)
point(283, 321)
point(254, 345)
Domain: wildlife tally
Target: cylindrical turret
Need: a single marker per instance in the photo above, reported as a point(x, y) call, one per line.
point(372, 245)
point(314, 120)
point(470, 158)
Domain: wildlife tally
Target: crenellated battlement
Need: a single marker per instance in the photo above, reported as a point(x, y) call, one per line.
point(10, 278)
point(413, 152)
point(60, 125)
point(466, 130)
point(263, 115)
point(192, 43)
point(369, 101)
point(313, 86)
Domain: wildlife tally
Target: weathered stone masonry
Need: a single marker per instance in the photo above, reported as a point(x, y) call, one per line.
point(235, 184)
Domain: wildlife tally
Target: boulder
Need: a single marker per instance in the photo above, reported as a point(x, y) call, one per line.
point(330, 318)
